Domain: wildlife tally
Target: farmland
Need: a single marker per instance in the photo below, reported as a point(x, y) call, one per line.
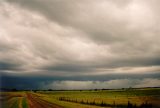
point(131, 98)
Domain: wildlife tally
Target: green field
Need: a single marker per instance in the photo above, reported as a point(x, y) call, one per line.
point(137, 98)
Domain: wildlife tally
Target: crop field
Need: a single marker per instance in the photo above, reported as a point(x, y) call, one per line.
point(127, 98)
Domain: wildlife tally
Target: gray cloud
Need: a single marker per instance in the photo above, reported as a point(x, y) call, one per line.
point(79, 37)
point(113, 84)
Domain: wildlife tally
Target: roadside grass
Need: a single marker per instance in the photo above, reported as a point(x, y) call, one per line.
point(13, 100)
point(68, 104)
point(15, 104)
point(10, 102)
point(24, 103)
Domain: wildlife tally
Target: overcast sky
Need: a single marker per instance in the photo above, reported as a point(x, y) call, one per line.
point(59, 44)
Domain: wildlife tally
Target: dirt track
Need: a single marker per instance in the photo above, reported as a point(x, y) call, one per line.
point(35, 102)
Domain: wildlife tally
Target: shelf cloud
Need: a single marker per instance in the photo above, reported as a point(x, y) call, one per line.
point(111, 84)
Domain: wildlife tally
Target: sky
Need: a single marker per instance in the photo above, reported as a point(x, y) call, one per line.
point(79, 44)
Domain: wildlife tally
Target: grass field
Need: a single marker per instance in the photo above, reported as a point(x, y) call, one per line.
point(14, 100)
point(130, 98)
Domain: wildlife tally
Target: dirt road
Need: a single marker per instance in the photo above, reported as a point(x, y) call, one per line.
point(35, 102)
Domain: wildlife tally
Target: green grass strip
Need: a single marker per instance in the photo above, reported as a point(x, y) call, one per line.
point(24, 103)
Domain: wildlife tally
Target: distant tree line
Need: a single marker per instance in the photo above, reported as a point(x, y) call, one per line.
point(35, 90)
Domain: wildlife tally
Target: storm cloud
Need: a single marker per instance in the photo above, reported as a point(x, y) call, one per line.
point(79, 38)
point(112, 84)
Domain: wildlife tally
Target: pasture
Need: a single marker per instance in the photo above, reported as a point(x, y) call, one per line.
point(123, 98)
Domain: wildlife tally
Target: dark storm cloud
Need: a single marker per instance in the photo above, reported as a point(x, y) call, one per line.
point(46, 82)
point(80, 38)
